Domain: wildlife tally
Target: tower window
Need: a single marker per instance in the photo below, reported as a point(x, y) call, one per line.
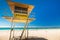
point(20, 10)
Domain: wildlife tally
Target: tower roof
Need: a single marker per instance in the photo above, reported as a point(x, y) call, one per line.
point(13, 4)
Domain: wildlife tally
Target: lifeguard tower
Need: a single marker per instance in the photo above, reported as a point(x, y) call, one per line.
point(21, 14)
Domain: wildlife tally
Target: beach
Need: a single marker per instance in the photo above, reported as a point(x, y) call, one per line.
point(50, 34)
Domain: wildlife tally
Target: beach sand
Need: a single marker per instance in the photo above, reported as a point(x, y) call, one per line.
point(50, 34)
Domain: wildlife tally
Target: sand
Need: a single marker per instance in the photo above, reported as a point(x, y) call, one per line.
point(50, 34)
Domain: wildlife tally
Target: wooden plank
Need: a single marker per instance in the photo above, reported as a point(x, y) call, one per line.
point(18, 20)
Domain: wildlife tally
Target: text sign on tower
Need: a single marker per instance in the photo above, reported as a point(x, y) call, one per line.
point(20, 12)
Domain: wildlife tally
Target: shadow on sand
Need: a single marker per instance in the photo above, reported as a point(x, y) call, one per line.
point(35, 39)
point(31, 38)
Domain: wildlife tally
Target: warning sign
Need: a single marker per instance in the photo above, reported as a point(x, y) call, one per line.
point(18, 15)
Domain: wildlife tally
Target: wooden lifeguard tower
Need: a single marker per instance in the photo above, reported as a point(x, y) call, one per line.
point(21, 14)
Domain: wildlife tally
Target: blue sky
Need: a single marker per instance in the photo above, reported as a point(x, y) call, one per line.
point(47, 13)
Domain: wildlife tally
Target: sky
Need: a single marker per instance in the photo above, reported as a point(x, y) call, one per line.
point(46, 13)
